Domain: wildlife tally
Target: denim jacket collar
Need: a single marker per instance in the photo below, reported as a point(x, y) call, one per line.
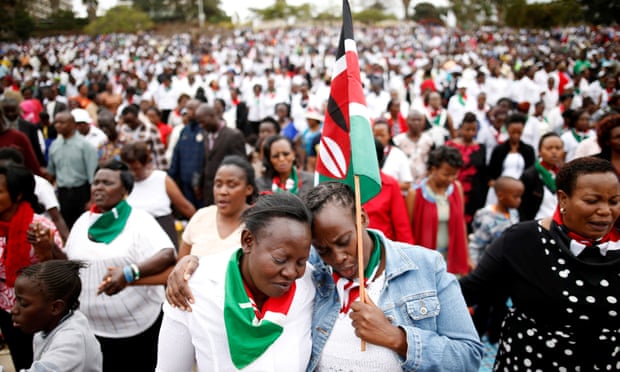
point(395, 265)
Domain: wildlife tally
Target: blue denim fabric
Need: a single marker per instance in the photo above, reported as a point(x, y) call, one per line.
point(420, 297)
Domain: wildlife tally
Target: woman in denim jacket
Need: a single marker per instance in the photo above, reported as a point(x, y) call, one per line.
point(421, 322)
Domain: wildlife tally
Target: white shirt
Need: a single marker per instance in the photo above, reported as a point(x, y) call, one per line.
point(200, 335)
point(534, 129)
point(150, 194)
point(377, 103)
point(45, 193)
point(457, 110)
point(396, 164)
point(135, 308)
point(166, 98)
point(96, 137)
point(548, 204)
point(571, 144)
point(342, 348)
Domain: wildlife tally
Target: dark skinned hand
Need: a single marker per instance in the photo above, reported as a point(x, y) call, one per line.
point(372, 326)
point(113, 282)
point(178, 293)
point(42, 240)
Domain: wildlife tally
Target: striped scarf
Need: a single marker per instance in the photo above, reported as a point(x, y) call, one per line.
point(250, 331)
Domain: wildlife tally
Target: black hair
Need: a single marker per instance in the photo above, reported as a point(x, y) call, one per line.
point(288, 108)
point(545, 136)
point(20, 182)
point(380, 154)
point(507, 100)
point(135, 151)
point(182, 97)
point(603, 132)
point(268, 207)
point(469, 117)
point(270, 172)
point(59, 280)
point(273, 122)
point(330, 192)
point(222, 102)
point(154, 109)
point(131, 109)
point(126, 177)
point(201, 95)
point(566, 179)
point(444, 154)
point(12, 154)
point(515, 118)
point(382, 121)
point(390, 103)
point(248, 170)
point(574, 117)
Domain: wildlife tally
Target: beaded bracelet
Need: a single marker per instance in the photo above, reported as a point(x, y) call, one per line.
point(129, 276)
point(136, 271)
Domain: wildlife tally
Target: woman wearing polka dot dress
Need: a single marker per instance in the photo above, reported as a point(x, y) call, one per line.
point(563, 275)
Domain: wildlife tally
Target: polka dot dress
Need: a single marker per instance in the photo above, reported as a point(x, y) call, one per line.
point(581, 331)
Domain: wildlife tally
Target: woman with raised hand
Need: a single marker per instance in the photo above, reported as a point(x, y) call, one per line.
point(561, 273)
point(281, 173)
point(121, 244)
point(253, 306)
point(415, 319)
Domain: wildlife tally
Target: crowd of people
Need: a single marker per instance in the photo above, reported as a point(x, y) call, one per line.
point(129, 162)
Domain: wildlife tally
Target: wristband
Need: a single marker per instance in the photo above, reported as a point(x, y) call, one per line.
point(136, 271)
point(129, 277)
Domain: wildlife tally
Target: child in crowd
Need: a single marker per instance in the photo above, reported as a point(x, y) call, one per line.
point(489, 223)
point(46, 301)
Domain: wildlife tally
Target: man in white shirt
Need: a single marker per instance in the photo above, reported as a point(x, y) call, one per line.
point(91, 133)
point(458, 104)
point(377, 98)
point(166, 97)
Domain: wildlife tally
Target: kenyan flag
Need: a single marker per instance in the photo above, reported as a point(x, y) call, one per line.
point(347, 145)
point(249, 331)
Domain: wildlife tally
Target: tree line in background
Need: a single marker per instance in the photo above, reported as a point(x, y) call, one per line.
point(16, 22)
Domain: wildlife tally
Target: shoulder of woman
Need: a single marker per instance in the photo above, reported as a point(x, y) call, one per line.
point(411, 257)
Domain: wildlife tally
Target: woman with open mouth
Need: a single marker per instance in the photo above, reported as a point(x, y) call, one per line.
point(561, 273)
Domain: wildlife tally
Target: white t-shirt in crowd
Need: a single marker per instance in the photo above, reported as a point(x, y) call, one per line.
point(150, 195)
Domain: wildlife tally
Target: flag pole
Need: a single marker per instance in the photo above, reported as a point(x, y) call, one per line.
point(360, 244)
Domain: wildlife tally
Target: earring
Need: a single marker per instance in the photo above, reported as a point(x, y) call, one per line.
point(562, 210)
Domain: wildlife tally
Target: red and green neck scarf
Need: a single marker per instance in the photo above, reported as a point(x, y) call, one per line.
point(250, 331)
point(349, 290)
point(292, 184)
point(577, 244)
point(547, 174)
point(16, 254)
point(110, 224)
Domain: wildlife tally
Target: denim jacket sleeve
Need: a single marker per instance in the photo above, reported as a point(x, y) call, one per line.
point(451, 343)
